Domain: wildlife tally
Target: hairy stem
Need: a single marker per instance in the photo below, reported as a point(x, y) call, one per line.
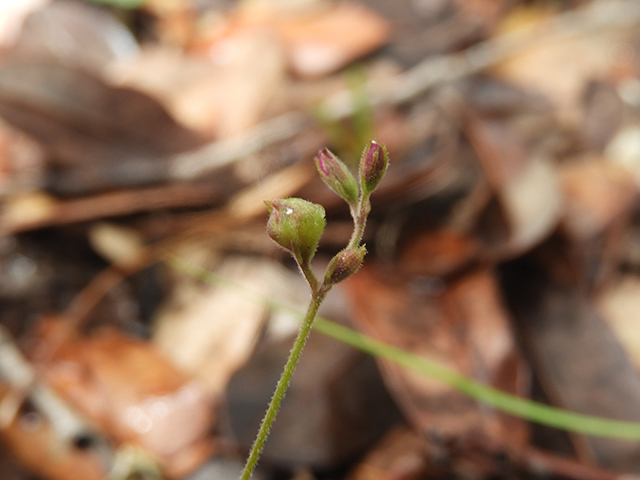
point(296, 225)
point(310, 277)
point(359, 222)
point(283, 383)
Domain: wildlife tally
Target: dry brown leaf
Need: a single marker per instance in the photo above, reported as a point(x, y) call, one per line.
point(578, 360)
point(401, 454)
point(317, 41)
point(96, 135)
point(78, 34)
point(210, 331)
point(463, 326)
point(525, 185)
point(22, 161)
point(221, 95)
point(36, 445)
point(561, 68)
point(132, 393)
point(437, 253)
point(597, 195)
point(620, 304)
point(326, 41)
point(251, 69)
point(12, 15)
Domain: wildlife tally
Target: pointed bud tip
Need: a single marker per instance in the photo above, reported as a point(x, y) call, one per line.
point(373, 166)
point(321, 160)
point(337, 176)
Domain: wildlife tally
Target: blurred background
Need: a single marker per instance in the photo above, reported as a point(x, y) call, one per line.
point(145, 315)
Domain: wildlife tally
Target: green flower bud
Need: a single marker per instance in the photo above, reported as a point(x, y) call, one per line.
point(296, 225)
point(344, 264)
point(373, 166)
point(337, 176)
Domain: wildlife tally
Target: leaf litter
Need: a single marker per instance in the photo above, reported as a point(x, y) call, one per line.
point(503, 242)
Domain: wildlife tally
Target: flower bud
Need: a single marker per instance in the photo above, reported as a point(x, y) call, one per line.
point(344, 264)
point(373, 166)
point(296, 225)
point(337, 176)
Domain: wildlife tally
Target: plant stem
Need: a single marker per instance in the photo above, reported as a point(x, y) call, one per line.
point(520, 407)
point(310, 277)
point(283, 383)
point(359, 222)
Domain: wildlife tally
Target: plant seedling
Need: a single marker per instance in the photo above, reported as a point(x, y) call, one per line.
point(297, 225)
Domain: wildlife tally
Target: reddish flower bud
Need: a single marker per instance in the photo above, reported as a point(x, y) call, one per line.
point(337, 176)
point(296, 225)
point(373, 166)
point(344, 264)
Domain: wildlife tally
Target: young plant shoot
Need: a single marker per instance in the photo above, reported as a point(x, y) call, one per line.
point(297, 225)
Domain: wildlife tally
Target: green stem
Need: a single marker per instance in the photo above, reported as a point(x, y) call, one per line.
point(283, 384)
point(520, 407)
point(318, 292)
point(309, 276)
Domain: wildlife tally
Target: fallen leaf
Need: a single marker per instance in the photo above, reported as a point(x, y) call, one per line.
point(401, 454)
point(95, 135)
point(31, 440)
point(560, 68)
point(323, 42)
point(437, 253)
point(620, 304)
point(578, 360)
point(132, 392)
point(22, 161)
point(12, 16)
point(525, 185)
point(316, 41)
point(210, 331)
point(463, 326)
point(75, 34)
point(597, 194)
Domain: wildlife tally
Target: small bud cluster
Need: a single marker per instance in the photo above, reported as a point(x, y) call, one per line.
point(297, 225)
point(336, 175)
